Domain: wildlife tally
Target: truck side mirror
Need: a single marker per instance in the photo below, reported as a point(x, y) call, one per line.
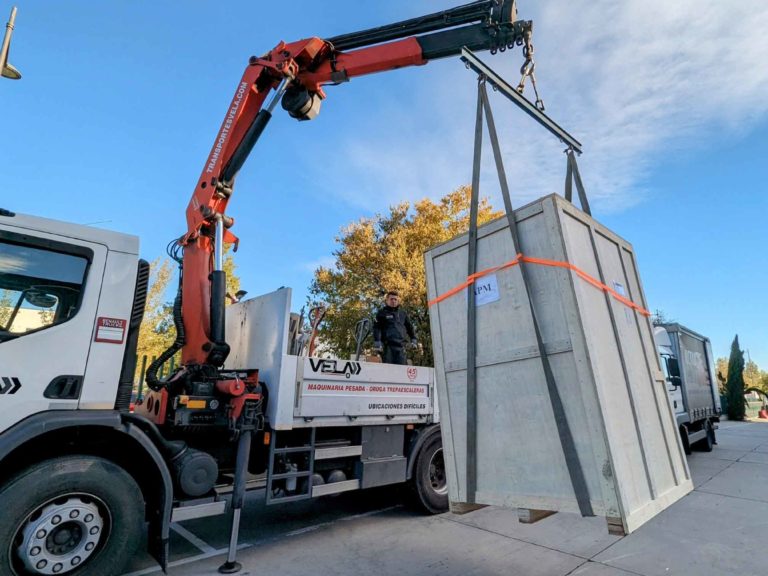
point(673, 369)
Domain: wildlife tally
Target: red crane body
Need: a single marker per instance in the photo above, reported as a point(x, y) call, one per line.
point(259, 79)
point(302, 68)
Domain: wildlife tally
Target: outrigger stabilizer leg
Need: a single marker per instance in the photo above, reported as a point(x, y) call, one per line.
point(231, 566)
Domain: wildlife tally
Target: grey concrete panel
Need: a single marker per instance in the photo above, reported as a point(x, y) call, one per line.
point(602, 356)
point(569, 533)
point(702, 534)
point(740, 480)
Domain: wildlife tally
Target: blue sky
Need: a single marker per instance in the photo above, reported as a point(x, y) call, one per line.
point(120, 103)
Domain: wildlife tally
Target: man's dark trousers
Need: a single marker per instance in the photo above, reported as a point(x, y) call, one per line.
point(394, 355)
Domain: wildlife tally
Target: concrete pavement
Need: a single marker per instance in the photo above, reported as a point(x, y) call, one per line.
point(717, 530)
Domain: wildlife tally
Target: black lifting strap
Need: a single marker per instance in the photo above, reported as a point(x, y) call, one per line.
point(472, 311)
point(573, 463)
point(572, 173)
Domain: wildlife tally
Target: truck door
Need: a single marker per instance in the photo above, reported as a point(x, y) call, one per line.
point(49, 292)
point(667, 354)
point(675, 392)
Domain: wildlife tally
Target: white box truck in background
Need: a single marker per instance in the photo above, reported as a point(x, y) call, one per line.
point(687, 361)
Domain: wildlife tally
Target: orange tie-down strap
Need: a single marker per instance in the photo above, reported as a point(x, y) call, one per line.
point(543, 262)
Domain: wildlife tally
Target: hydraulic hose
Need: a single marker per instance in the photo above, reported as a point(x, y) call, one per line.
point(152, 380)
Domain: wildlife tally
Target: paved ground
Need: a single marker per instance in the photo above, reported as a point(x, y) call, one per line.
point(719, 529)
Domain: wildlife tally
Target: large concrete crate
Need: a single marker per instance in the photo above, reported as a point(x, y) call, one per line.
point(604, 362)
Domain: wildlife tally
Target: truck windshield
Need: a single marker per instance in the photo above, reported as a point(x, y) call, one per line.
point(39, 288)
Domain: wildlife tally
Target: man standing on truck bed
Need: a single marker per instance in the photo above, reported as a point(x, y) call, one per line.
point(392, 330)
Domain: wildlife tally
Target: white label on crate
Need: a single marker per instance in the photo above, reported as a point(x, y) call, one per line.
point(619, 287)
point(486, 290)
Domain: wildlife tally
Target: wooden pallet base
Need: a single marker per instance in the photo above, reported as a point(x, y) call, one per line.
point(464, 507)
point(531, 515)
point(615, 526)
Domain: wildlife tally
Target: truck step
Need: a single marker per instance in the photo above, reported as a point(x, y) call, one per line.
point(199, 510)
point(293, 449)
point(253, 483)
point(285, 475)
point(337, 452)
point(335, 488)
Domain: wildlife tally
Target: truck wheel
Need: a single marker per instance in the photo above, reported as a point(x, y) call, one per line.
point(707, 443)
point(684, 440)
point(429, 484)
point(73, 515)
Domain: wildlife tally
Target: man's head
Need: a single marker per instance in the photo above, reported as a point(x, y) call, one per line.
point(392, 299)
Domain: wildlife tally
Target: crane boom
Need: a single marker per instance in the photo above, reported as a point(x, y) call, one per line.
point(295, 73)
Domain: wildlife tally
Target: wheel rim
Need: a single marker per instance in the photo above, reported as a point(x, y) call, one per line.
point(62, 534)
point(437, 478)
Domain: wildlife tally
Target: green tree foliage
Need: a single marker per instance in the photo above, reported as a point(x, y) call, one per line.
point(735, 382)
point(156, 333)
point(384, 253)
point(753, 376)
point(46, 316)
point(721, 372)
point(7, 302)
point(233, 281)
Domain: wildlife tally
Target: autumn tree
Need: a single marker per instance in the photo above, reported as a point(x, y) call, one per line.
point(384, 253)
point(6, 307)
point(734, 384)
point(233, 281)
point(157, 331)
point(721, 371)
point(753, 376)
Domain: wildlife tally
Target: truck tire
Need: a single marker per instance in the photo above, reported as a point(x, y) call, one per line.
point(428, 486)
point(707, 443)
point(73, 515)
point(684, 440)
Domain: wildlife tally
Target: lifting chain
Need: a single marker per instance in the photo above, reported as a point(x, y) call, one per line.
point(528, 68)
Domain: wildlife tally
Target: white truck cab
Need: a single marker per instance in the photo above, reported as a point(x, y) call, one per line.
point(66, 298)
point(688, 365)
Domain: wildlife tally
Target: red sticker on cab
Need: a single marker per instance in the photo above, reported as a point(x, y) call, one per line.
point(110, 330)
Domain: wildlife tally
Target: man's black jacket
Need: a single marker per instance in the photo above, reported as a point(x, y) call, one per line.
point(393, 327)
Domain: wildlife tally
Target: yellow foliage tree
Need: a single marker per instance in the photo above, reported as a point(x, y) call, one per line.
point(6, 307)
point(157, 331)
point(233, 281)
point(721, 372)
point(384, 253)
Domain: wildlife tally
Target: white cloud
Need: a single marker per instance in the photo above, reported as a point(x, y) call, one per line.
point(11, 263)
point(635, 81)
